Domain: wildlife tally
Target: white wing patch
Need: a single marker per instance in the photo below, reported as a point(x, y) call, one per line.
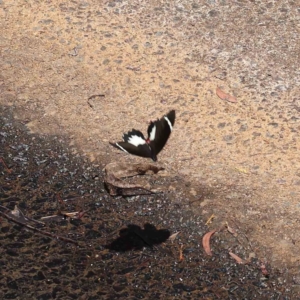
point(169, 123)
point(121, 148)
point(152, 133)
point(136, 140)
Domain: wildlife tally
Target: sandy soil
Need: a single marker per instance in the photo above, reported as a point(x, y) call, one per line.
point(92, 70)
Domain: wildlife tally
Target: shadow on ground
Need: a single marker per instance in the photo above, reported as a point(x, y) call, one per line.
point(135, 238)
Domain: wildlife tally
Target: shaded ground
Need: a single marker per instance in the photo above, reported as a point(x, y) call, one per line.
point(146, 57)
point(123, 250)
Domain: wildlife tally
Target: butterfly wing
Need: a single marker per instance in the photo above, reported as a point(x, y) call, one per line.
point(159, 132)
point(134, 143)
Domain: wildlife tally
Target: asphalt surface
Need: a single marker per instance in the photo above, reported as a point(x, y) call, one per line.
point(77, 75)
point(120, 247)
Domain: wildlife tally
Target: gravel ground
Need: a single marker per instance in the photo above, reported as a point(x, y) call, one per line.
point(85, 72)
point(122, 250)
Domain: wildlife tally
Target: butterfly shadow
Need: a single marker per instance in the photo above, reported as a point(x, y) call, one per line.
point(133, 237)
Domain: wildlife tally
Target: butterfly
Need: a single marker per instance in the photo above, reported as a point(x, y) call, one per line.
point(158, 133)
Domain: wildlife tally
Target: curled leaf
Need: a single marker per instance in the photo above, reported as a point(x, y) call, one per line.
point(129, 170)
point(224, 96)
point(237, 258)
point(118, 187)
point(206, 241)
point(115, 172)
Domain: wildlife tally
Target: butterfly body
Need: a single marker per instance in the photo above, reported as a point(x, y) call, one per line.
point(158, 134)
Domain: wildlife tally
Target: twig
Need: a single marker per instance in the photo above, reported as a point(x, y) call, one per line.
point(260, 153)
point(19, 214)
point(76, 197)
point(209, 219)
point(3, 207)
point(133, 68)
point(61, 238)
point(5, 165)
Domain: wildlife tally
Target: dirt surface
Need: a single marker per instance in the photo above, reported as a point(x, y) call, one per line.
point(86, 72)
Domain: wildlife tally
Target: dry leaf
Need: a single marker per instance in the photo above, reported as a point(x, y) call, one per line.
point(224, 96)
point(264, 269)
point(242, 170)
point(129, 170)
point(251, 255)
point(56, 218)
point(63, 216)
point(206, 242)
point(181, 253)
point(237, 258)
point(118, 187)
point(75, 214)
point(80, 214)
point(173, 236)
point(231, 230)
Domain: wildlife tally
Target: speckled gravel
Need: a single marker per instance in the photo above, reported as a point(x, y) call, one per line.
point(123, 249)
point(82, 72)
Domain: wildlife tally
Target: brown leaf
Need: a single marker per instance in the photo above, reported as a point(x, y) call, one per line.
point(81, 214)
point(264, 269)
point(118, 187)
point(237, 258)
point(173, 236)
point(206, 242)
point(181, 253)
point(224, 96)
point(130, 170)
point(59, 200)
point(114, 172)
point(231, 230)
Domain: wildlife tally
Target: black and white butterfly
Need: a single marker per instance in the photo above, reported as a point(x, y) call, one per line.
point(158, 134)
